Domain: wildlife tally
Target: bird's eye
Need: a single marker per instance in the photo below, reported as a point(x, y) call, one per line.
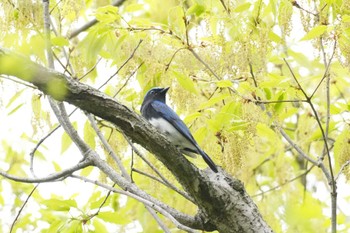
point(151, 92)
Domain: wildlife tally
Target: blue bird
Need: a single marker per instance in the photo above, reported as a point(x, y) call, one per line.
point(160, 115)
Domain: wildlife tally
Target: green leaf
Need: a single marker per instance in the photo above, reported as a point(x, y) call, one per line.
point(89, 135)
point(242, 7)
point(56, 166)
point(36, 106)
point(185, 82)
point(213, 100)
point(107, 14)
point(342, 148)
point(113, 217)
point(278, 106)
point(135, 7)
point(60, 41)
point(15, 109)
point(196, 9)
point(315, 32)
point(192, 117)
point(99, 226)
point(66, 141)
point(346, 18)
point(86, 171)
point(14, 97)
point(59, 205)
point(55, 226)
point(274, 37)
point(224, 83)
point(176, 21)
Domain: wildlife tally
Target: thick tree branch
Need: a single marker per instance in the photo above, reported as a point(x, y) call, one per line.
point(221, 198)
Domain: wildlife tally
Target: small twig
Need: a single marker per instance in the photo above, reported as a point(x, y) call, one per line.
point(127, 60)
point(204, 63)
point(296, 147)
point(347, 163)
point(127, 80)
point(172, 58)
point(158, 220)
point(101, 205)
point(285, 183)
point(294, 3)
point(19, 82)
point(276, 101)
point(296, 80)
point(22, 207)
point(252, 74)
point(182, 193)
point(225, 7)
point(32, 153)
point(90, 70)
point(149, 176)
point(63, 66)
point(326, 73)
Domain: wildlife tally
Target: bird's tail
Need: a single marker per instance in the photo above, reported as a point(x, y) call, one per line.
point(208, 160)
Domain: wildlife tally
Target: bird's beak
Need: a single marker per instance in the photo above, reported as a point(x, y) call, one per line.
point(165, 90)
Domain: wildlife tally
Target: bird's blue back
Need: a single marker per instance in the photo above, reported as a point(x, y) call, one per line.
point(160, 115)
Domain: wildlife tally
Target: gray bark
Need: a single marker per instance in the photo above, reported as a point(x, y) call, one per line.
point(222, 200)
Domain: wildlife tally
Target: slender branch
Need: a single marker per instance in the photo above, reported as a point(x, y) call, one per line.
point(225, 7)
point(172, 58)
point(326, 73)
point(204, 63)
point(32, 153)
point(284, 183)
point(51, 177)
point(101, 205)
point(19, 82)
point(277, 101)
point(128, 79)
point(295, 3)
point(296, 80)
point(48, 51)
point(345, 165)
point(158, 220)
point(295, 146)
point(91, 23)
point(91, 69)
point(328, 173)
point(22, 207)
point(149, 203)
point(170, 185)
point(127, 60)
point(107, 147)
point(328, 116)
point(252, 74)
point(182, 193)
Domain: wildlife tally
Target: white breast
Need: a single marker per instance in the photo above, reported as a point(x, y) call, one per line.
point(171, 132)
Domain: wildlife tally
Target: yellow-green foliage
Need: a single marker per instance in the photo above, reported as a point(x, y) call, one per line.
point(224, 64)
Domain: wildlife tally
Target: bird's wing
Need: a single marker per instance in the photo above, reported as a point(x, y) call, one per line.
point(168, 114)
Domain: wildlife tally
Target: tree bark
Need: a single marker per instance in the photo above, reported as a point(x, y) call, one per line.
point(222, 200)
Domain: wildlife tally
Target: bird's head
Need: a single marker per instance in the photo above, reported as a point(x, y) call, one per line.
point(156, 93)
